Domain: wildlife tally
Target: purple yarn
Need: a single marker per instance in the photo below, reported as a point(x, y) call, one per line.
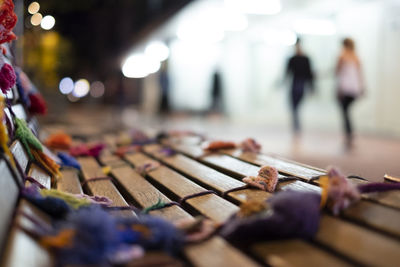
point(378, 187)
point(167, 151)
point(95, 241)
point(293, 215)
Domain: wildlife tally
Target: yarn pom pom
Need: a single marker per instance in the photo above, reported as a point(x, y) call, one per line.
point(7, 78)
point(27, 138)
point(217, 145)
point(293, 215)
point(84, 150)
point(95, 241)
point(38, 104)
point(266, 180)
point(68, 160)
point(8, 19)
point(155, 234)
point(341, 192)
point(59, 141)
point(55, 207)
point(250, 145)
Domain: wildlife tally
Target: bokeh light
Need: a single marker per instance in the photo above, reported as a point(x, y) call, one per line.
point(97, 89)
point(157, 50)
point(33, 8)
point(48, 22)
point(72, 98)
point(81, 88)
point(36, 19)
point(66, 85)
point(139, 66)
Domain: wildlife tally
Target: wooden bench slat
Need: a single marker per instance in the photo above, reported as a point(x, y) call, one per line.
point(111, 160)
point(8, 199)
point(284, 167)
point(210, 177)
point(211, 206)
point(217, 252)
point(360, 244)
point(91, 169)
point(20, 155)
point(145, 194)
point(39, 175)
point(21, 249)
point(295, 252)
point(69, 182)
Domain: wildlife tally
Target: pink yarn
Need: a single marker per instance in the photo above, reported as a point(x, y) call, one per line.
point(341, 192)
point(7, 78)
point(84, 150)
point(250, 145)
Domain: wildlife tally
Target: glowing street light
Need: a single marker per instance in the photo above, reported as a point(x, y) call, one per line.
point(33, 8)
point(47, 22)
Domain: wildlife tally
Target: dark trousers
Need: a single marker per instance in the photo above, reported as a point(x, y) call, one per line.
point(296, 96)
point(345, 102)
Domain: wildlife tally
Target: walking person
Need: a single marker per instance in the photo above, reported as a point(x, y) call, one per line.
point(349, 85)
point(299, 67)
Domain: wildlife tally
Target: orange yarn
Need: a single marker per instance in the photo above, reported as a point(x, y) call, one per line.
point(59, 141)
point(50, 165)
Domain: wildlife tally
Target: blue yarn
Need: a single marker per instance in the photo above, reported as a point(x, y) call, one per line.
point(96, 238)
point(68, 160)
point(54, 207)
point(164, 235)
point(21, 90)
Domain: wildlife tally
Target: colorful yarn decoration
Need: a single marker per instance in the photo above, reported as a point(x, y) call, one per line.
point(196, 230)
point(341, 192)
point(7, 76)
point(266, 180)
point(217, 145)
point(63, 239)
point(73, 201)
point(59, 141)
point(27, 138)
point(155, 234)
point(3, 134)
point(46, 162)
point(159, 205)
point(55, 207)
point(147, 167)
point(84, 150)
point(377, 187)
point(37, 104)
point(68, 160)
point(251, 207)
point(23, 86)
point(123, 150)
point(250, 145)
point(8, 19)
point(293, 214)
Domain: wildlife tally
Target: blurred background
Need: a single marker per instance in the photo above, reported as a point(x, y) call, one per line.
point(220, 67)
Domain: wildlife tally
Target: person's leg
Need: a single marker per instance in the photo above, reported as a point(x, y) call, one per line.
point(345, 104)
point(296, 96)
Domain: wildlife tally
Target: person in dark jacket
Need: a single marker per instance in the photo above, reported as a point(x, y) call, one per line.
point(299, 67)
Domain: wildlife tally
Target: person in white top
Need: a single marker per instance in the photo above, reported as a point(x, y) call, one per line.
point(349, 84)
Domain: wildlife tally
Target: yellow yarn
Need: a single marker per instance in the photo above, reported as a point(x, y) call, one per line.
point(70, 199)
point(324, 183)
point(63, 239)
point(4, 135)
point(106, 170)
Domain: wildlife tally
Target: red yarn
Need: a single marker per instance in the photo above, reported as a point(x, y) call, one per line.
point(8, 19)
point(38, 104)
point(7, 78)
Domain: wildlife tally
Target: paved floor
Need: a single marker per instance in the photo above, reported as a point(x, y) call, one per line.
point(371, 156)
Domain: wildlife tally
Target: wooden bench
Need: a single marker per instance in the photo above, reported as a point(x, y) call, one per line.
point(210, 185)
